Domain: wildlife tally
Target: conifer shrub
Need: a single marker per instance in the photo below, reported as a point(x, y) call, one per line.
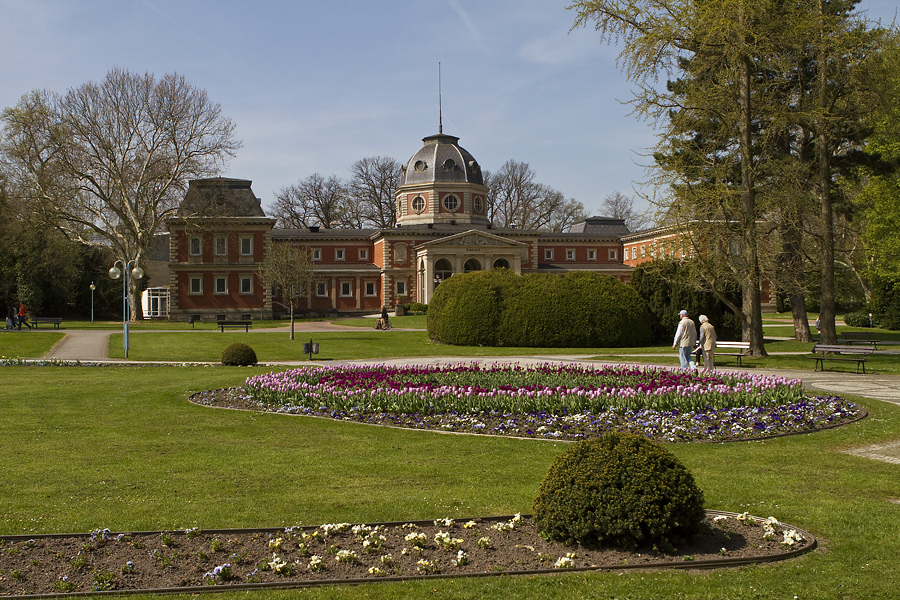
point(238, 355)
point(619, 489)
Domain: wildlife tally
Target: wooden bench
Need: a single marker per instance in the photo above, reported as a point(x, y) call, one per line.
point(849, 337)
point(860, 354)
point(234, 325)
point(744, 348)
point(56, 321)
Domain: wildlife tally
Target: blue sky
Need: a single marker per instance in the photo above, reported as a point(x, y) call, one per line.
point(313, 86)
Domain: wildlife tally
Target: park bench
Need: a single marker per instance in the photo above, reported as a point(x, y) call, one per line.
point(857, 354)
point(56, 321)
point(246, 325)
point(743, 347)
point(862, 337)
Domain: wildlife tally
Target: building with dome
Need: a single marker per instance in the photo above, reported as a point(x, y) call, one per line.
point(222, 234)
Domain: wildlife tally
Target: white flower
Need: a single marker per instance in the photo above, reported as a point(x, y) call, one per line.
point(564, 563)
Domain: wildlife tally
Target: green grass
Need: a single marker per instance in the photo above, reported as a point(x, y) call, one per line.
point(31, 344)
point(410, 322)
point(333, 345)
point(122, 448)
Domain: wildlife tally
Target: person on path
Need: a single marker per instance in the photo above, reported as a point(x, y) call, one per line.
point(11, 317)
point(685, 339)
point(707, 343)
point(23, 316)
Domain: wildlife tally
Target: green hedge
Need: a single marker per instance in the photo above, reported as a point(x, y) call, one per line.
point(499, 308)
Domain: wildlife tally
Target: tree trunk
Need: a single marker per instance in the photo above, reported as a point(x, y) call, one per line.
point(751, 325)
point(828, 332)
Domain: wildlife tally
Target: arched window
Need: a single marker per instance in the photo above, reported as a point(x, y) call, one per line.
point(443, 269)
point(501, 263)
point(473, 264)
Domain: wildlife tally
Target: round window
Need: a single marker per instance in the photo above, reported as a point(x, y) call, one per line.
point(418, 204)
point(420, 166)
point(451, 203)
point(477, 204)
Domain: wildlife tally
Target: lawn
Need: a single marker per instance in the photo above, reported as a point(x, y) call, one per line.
point(122, 448)
point(28, 344)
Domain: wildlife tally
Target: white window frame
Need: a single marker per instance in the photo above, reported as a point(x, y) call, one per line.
point(223, 242)
point(195, 246)
point(224, 280)
point(346, 289)
point(191, 280)
point(418, 207)
point(613, 254)
point(591, 254)
point(548, 253)
point(317, 254)
point(248, 240)
point(321, 289)
point(339, 254)
point(249, 289)
point(401, 288)
point(363, 254)
point(371, 288)
point(570, 253)
point(627, 254)
point(455, 208)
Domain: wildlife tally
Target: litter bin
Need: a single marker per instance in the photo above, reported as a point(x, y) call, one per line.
point(399, 310)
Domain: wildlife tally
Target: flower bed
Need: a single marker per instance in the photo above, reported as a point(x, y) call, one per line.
point(568, 402)
point(193, 560)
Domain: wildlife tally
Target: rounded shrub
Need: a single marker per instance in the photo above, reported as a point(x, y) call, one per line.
point(859, 318)
point(619, 489)
point(238, 355)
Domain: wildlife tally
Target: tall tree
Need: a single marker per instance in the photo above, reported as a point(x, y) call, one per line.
point(714, 46)
point(313, 201)
point(108, 162)
point(515, 199)
point(619, 206)
point(291, 269)
point(373, 185)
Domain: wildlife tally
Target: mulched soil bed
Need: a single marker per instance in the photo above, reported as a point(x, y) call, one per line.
point(153, 561)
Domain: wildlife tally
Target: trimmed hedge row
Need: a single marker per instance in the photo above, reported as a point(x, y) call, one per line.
point(500, 308)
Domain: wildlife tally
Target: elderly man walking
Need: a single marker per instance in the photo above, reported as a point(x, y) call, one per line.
point(685, 339)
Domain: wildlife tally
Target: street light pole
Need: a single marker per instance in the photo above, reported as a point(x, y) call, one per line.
point(136, 273)
point(93, 287)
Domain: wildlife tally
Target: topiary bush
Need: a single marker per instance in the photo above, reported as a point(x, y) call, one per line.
point(238, 355)
point(500, 308)
point(619, 489)
point(465, 310)
point(416, 308)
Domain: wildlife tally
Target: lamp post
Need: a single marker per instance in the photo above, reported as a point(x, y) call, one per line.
point(93, 287)
point(136, 273)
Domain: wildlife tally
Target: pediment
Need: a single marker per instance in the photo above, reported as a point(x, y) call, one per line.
point(473, 239)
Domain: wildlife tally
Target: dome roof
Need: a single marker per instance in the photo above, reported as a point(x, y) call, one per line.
point(441, 159)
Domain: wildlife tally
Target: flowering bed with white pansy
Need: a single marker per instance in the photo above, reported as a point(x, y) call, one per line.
point(197, 560)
